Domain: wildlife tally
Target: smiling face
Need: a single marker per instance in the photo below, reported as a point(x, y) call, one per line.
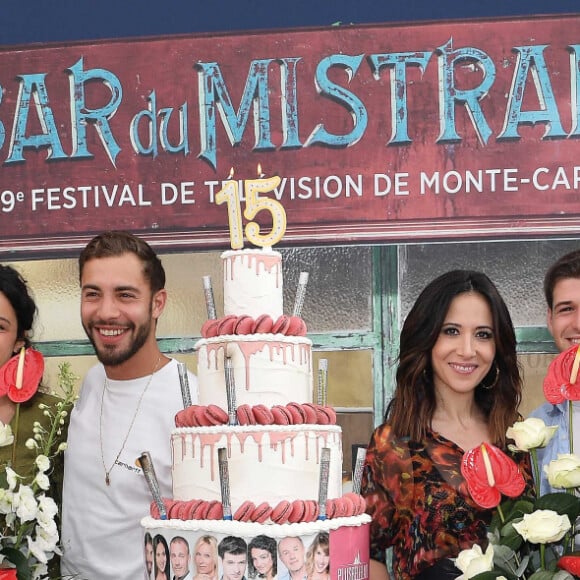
point(160, 557)
point(179, 555)
point(564, 317)
point(118, 311)
point(321, 560)
point(292, 553)
point(262, 560)
point(464, 351)
point(8, 330)
point(204, 559)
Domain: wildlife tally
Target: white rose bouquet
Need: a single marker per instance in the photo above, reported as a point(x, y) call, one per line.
point(28, 529)
point(530, 538)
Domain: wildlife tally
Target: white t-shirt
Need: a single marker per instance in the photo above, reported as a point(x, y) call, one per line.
point(101, 534)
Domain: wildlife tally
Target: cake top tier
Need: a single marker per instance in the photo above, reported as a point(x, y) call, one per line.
point(253, 282)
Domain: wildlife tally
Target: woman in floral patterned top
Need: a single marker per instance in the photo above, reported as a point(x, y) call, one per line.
point(458, 385)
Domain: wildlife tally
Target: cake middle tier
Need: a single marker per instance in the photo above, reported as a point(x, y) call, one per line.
point(265, 464)
point(268, 369)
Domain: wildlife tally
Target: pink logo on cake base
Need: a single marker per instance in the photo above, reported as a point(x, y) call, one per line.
point(349, 553)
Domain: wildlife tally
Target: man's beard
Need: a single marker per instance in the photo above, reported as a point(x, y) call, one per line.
point(110, 356)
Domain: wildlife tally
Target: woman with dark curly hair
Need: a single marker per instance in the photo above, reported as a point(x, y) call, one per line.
point(458, 385)
point(262, 558)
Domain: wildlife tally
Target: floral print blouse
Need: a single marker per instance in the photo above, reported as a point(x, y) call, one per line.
point(419, 502)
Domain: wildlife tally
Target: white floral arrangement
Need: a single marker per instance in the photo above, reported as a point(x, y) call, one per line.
point(29, 536)
point(530, 538)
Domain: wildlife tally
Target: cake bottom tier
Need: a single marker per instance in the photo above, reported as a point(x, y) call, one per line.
point(235, 550)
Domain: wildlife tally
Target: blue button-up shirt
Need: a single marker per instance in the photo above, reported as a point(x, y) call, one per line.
point(560, 442)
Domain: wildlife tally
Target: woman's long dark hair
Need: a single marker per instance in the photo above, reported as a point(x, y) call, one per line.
point(411, 410)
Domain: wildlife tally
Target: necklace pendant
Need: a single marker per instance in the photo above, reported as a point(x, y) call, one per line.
point(107, 479)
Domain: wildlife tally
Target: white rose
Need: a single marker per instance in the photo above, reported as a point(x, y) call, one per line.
point(564, 472)
point(6, 436)
point(543, 527)
point(530, 434)
point(473, 561)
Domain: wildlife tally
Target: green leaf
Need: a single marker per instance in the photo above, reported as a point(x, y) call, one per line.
point(19, 560)
point(490, 576)
point(510, 537)
point(542, 575)
point(561, 503)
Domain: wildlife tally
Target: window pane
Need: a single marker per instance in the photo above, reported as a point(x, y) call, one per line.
point(534, 368)
point(339, 291)
point(517, 268)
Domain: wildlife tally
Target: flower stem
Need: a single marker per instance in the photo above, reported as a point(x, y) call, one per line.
point(543, 556)
point(536, 468)
point(500, 513)
point(570, 426)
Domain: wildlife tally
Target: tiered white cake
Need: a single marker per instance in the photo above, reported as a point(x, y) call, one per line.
point(273, 435)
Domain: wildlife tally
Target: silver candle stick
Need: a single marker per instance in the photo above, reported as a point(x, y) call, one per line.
point(225, 482)
point(184, 384)
point(322, 381)
point(146, 463)
point(209, 300)
point(323, 482)
point(361, 454)
point(300, 294)
point(230, 391)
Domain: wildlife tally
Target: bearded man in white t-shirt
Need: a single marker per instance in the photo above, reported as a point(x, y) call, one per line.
point(126, 406)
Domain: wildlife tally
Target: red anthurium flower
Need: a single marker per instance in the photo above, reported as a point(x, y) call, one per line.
point(20, 376)
point(571, 564)
point(489, 472)
point(8, 574)
point(560, 384)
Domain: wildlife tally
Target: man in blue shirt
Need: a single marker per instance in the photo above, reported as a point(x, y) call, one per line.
point(562, 292)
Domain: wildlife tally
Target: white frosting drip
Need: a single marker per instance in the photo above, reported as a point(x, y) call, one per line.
point(265, 463)
point(269, 369)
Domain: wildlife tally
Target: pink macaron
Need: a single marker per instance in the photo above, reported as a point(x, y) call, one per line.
point(215, 510)
point(330, 508)
point(216, 415)
point(227, 324)
point(311, 510)
point(245, 415)
point(263, 415)
point(298, 415)
point(244, 325)
point(296, 326)
point(298, 511)
point(281, 324)
point(281, 512)
point(244, 512)
point(181, 419)
point(261, 513)
point(310, 412)
point(191, 507)
point(196, 416)
point(210, 328)
point(263, 324)
point(281, 415)
point(201, 511)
